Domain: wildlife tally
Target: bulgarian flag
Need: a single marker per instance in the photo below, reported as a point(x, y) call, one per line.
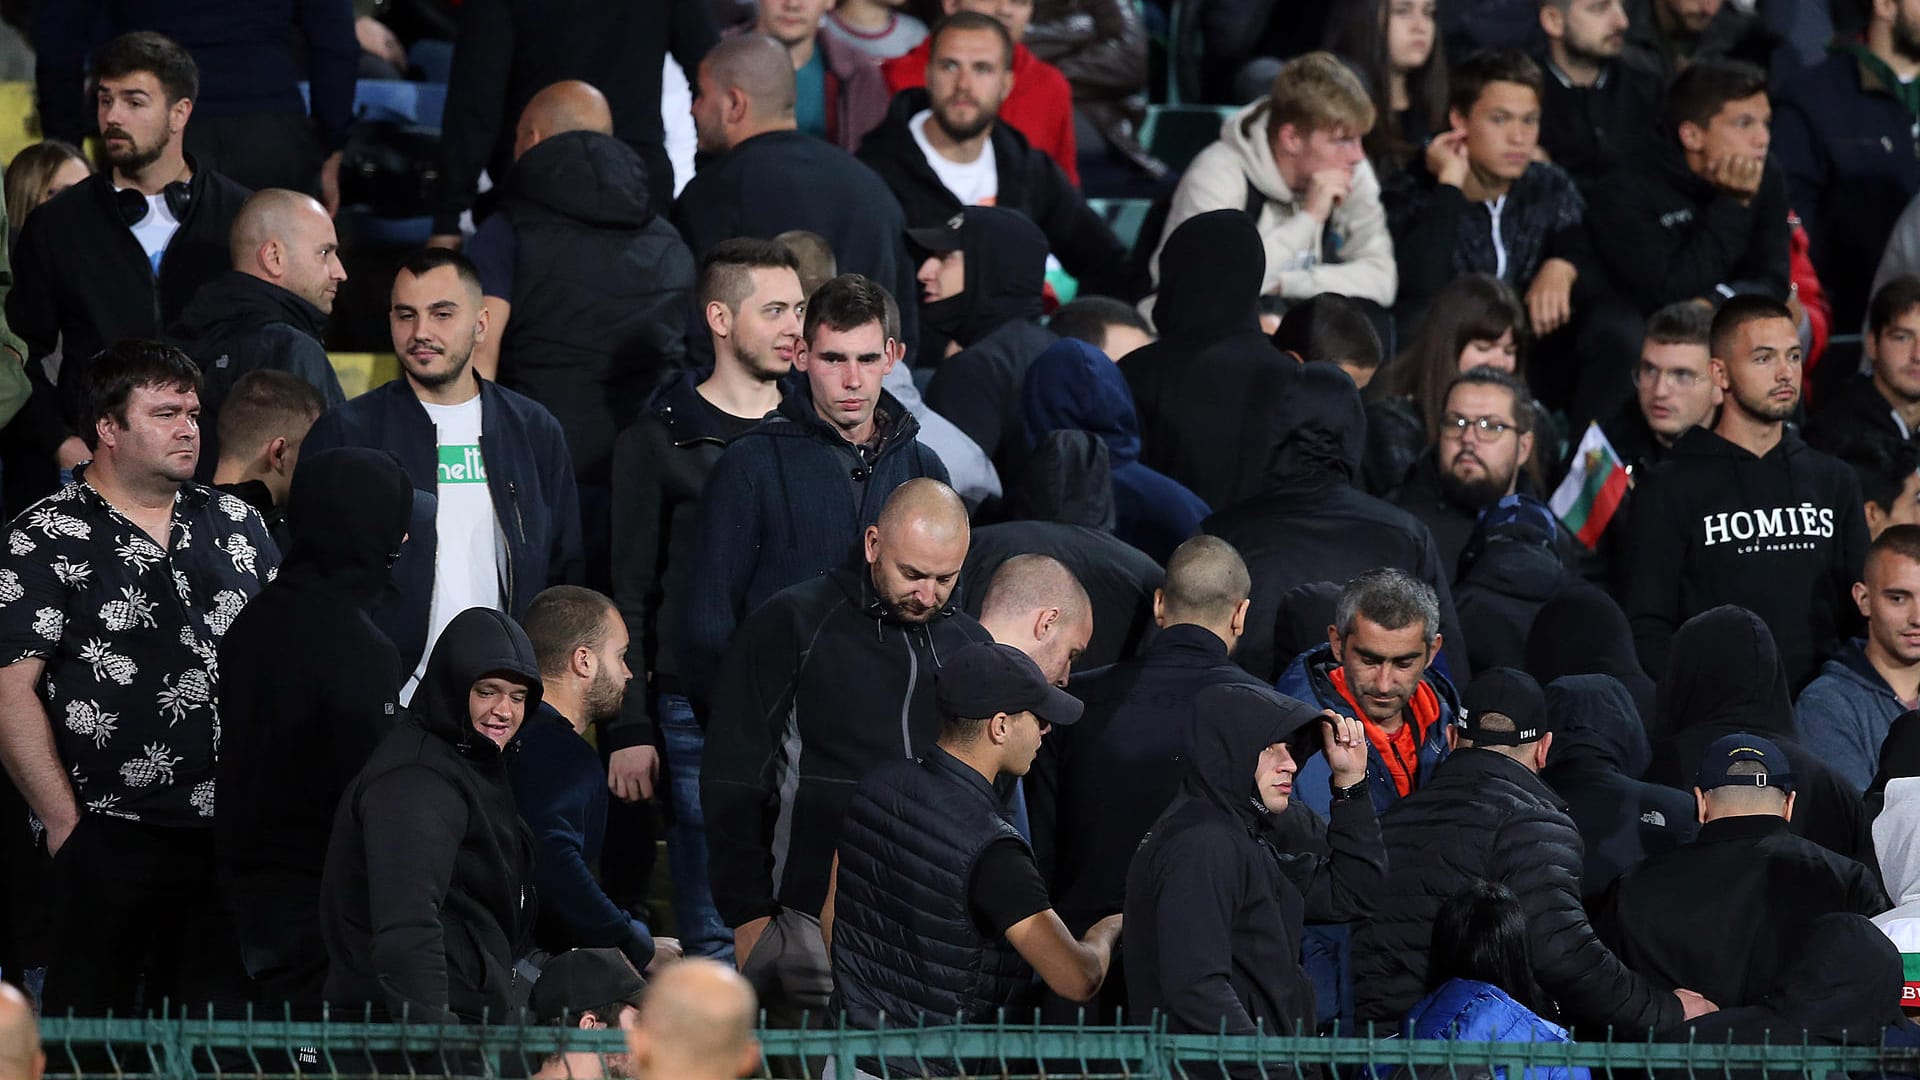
point(1910, 989)
point(1592, 492)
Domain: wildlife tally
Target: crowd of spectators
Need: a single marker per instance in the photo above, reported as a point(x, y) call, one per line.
point(1456, 569)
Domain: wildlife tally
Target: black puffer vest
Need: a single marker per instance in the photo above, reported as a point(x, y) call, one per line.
point(905, 943)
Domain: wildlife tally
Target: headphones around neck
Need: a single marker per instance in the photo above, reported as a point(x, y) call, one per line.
point(132, 203)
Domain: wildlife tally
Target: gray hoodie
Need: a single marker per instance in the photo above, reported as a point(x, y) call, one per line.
point(1844, 713)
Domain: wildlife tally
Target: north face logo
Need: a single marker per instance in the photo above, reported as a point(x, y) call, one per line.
point(1654, 818)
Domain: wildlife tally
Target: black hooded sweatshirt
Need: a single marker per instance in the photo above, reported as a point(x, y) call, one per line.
point(1214, 911)
point(1204, 391)
point(601, 285)
point(309, 687)
point(427, 900)
point(1311, 524)
point(1598, 756)
point(1840, 988)
point(996, 321)
point(1067, 512)
point(1583, 632)
point(1899, 758)
point(1782, 536)
point(1727, 677)
point(238, 323)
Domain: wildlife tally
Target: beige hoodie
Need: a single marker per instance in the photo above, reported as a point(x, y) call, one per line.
point(1218, 179)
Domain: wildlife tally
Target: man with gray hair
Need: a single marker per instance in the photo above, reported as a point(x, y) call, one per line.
point(1377, 668)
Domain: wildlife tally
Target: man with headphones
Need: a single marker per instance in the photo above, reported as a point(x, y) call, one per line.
point(117, 255)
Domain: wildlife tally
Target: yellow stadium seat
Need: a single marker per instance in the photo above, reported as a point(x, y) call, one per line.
point(19, 122)
point(361, 372)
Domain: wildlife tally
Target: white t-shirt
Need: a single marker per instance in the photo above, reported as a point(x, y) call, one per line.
point(974, 183)
point(466, 562)
point(155, 231)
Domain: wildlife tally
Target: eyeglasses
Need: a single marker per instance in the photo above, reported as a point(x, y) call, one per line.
point(1681, 378)
point(1489, 428)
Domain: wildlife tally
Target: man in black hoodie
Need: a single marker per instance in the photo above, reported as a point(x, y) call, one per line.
point(1203, 390)
point(1747, 513)
point(1883, 402)
point(1726, 676)
point(1214, 910)
point(1724, 913)
point(586, 283)
point(980, 280)
point(1311, 524)
point(1066, 511)
point(1706, 217)
point(826, 680)
point(425, 921)
point(1599, 755)
point(787, 501)
point(300, 722)
point(268, 312)
point(750, 298)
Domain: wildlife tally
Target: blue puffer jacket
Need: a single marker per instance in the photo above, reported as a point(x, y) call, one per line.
point(1467, 1010)
point(1072, 386)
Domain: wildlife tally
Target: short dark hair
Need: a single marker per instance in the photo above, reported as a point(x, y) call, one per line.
point(1892, 300)
point(972, 20)
point(848, 302)
point(1471, 77)
point(428, 259)
point(1901, 540)
point(123, 367)
point(1088, 317)
point(1706, 85)
point(1883, 465)
point(1737, 312)
point(266, 404)
point(1329, 328)
point(561, 619)
point(726, 274)
point(1485, 375)
point(1481, 934)
point(1685, 323)
point(156, 54)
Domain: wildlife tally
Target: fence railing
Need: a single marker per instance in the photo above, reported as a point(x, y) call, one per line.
point(201, 1049)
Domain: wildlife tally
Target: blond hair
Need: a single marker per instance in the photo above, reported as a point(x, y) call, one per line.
point(1318, 92)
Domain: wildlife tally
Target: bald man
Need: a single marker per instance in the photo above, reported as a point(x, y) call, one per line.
point(1096, 788)
point(696, 1023)
point(269, 312)
point(764, 176)
point(21, 1057)
point(825, 681)
point(586, 286)
point(1036, 605)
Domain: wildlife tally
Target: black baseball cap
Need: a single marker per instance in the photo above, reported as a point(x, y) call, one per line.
point(573, 982)
point(987, 677)
point(1513, 694)
point(940, 239)
point(1738, 748)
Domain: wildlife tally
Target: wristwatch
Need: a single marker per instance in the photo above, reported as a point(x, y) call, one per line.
point(1341, 794)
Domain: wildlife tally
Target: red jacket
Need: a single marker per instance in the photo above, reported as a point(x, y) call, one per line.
point(1040, 106)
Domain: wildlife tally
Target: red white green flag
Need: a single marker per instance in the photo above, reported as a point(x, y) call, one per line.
point(1591, 493)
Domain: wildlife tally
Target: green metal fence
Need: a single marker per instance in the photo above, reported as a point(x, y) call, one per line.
point(189, 1049)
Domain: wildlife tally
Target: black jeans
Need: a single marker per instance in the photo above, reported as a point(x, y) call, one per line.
point(138, 920)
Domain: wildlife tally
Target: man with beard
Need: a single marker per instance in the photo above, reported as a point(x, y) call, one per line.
point(502, 520)
point(1594, 105)
point(1846, 134)
point(1667, 35)
point(1484, 442)
point(827, 680)
point(1845, 713)
point(944, 148)
point(1885, 402)
point(1746, 513)
point(78, 284)
point(580, 642)
point(269, 313)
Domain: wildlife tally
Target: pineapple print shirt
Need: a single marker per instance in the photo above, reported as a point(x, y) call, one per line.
point(130, 634)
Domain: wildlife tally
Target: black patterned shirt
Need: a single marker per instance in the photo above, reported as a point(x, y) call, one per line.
point(130, 634)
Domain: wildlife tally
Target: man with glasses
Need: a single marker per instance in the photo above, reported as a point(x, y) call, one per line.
point(1747, 513)
point(1480, 456)
point(1674, 390)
